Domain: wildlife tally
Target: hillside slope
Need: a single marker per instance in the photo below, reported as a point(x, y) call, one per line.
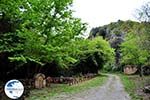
point(115, 33)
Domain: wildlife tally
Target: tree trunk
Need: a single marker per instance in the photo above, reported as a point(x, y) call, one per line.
point(141, 71)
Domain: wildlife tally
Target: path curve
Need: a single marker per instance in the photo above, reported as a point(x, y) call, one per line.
point(111, 90)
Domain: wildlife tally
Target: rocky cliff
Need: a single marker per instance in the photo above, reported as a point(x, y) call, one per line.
point(114, 33)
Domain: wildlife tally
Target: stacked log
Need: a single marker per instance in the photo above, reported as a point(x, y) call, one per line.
point(40, 81)
point(130, 69)
point(72, 80)
point(28, 85)
point(48, 81)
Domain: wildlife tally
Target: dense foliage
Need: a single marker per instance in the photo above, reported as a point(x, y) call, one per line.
point(132, 54)
point(129, 39)
point(42, 25)
point(45, 33)
point(136, 49)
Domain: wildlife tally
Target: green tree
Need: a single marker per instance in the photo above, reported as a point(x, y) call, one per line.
point(43, 25)
point(143, 15)
point(94, 54)
point(131, 51)
point(46, 32)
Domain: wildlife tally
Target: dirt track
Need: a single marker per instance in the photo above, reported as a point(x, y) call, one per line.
point(111, 90)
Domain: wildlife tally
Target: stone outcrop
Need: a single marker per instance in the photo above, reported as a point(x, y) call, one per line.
point(112, 33)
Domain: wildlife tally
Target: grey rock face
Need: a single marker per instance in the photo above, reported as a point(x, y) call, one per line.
point(115, 37)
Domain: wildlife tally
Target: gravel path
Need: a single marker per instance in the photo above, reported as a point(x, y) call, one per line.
point(111, 90)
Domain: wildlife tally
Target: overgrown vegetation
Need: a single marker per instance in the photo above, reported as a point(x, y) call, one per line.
point(135, 49)
point(36, 36)
point(129, 86)
point(134, 85)
point(129, 39)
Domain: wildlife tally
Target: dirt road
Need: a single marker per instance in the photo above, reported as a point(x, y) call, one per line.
point(111, 90)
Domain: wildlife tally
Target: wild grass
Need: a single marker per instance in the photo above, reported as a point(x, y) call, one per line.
point(131, 84)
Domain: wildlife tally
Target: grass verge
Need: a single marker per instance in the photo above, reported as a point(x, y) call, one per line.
point(131, 85)
point(54, 90)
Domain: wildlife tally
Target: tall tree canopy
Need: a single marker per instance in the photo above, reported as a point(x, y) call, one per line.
point(136, 48)
point(45, 32)
point(40, 25)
